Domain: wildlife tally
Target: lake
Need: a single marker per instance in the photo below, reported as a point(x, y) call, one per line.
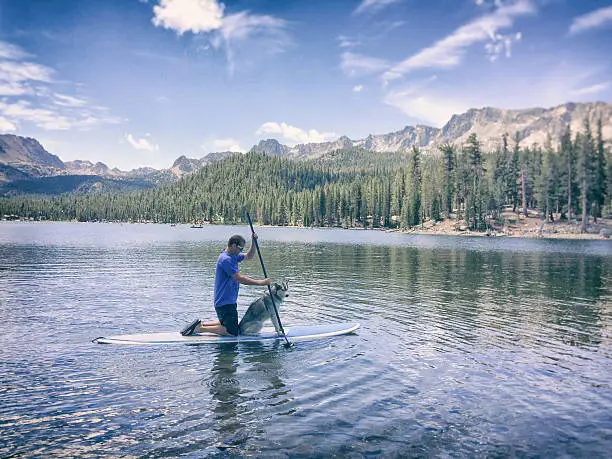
point(468, 346)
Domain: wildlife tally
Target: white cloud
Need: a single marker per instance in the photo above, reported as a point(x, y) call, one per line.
point(28, 96)
point(240, 27)
point(434, 110)
point(52, 120)
point(15, 72)
point(449, 51)
point(217, 145)
point(188, 15)
point(142, 143)
point(357, 65)
point(592, 20)
point(358, 88)
point(294, 134)
point(68, 101)
point(548, 87)
point(373, 5)
point(44, 118)
point(347, 42)
point(6, 125)
point(592, 89)
point(207, 17)
point(10, 88)
point(501, 44)
point(12, 52)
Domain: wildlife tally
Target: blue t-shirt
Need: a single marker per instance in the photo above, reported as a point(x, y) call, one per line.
point(226, 287)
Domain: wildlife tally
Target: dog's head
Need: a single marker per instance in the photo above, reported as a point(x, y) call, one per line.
point(279, 289)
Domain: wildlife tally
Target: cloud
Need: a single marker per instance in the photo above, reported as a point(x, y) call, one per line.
point(6, 125)
point(592, 89)
point(434, 110)
point(241, 27)
point(216, 145)
point(52, 120)
point(12, 52)
point(294, 134)
point(358, 88)
point(373, 5)
point(225, 31)
point(44, 118)
point(592, 20)
point(16, 72)
point(357, 65)
point(27, 94)
point(188, 15)
point(347, 42)
point(142, 144)
point(501, 44)
point(10, 88)
point(449, 51)
point(68, 101)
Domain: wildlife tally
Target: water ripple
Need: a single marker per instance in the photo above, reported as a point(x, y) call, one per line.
point(467, 347)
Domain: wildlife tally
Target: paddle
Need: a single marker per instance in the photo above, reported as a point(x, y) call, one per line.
point(280, 325)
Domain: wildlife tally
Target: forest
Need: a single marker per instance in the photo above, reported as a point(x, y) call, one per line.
point(358, 188)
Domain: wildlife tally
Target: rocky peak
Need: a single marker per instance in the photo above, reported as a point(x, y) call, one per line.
point(270, 147)
point(25, 151)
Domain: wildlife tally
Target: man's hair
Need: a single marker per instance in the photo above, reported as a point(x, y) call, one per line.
point(236, 239)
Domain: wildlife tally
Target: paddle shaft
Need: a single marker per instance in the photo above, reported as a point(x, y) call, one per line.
point(263, 267)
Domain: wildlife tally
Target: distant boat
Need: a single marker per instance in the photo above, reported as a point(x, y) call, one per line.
point(197, 226)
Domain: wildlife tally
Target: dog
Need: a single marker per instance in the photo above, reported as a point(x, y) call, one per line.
point(261, 310)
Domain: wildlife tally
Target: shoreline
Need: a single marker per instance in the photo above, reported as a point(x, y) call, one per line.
point(531, 227)
point(524, 228)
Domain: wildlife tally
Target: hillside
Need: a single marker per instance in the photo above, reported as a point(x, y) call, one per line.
point(23, 159)
point(533, 125)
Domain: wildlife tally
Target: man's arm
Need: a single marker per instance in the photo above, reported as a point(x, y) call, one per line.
point(251, 253)
point(246, 280)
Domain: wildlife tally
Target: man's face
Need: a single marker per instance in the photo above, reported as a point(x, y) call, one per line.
point(235, 249)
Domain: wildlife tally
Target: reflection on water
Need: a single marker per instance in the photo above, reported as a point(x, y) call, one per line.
point(468, 346)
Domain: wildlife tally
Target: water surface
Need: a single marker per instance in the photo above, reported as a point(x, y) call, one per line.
point(468, 346)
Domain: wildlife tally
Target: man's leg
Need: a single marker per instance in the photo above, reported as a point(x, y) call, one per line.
point(228, 321)
point(211, 324)
point(217, 329)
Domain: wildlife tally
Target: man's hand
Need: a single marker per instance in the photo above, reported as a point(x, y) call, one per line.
point(251, 251)
point(266, 281)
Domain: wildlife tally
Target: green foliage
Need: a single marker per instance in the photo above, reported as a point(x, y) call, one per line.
point(355, 187)
point(78, 184)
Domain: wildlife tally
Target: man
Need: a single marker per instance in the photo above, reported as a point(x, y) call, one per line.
point(227, 283)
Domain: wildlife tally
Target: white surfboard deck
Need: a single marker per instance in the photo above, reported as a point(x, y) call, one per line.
point(294, 333)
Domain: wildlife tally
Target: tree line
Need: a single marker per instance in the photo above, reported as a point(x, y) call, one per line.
point(356, 187)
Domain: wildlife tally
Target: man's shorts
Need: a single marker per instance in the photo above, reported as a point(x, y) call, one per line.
point(228, 316)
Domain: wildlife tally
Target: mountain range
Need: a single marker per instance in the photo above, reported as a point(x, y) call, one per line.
point(23, 160)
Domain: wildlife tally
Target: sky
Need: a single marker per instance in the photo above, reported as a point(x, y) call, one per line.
point(135, 83)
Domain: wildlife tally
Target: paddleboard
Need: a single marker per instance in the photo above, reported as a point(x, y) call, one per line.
point(267, 334)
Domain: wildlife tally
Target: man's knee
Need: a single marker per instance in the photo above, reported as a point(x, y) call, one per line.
point(228, 316)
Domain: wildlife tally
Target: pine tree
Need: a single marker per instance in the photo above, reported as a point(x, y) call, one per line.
point(475, 208)
point(585, 163)
point(448, 152)
point(599, 186)
point(568, 157)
